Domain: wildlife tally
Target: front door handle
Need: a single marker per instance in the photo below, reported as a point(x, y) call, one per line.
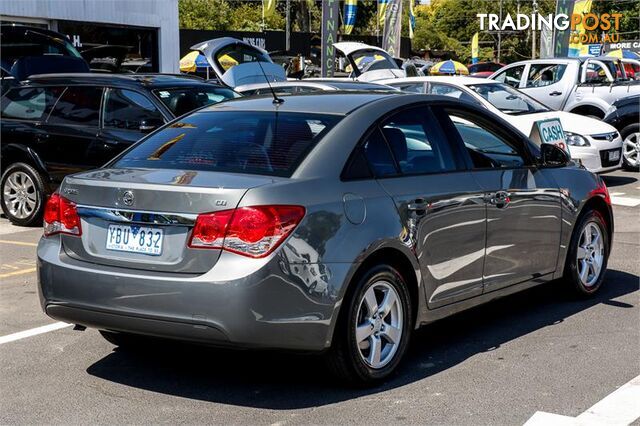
point(556, 93)
point(500, 199)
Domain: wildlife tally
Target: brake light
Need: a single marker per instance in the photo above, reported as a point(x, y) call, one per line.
point(61, 217)
point(250, 231)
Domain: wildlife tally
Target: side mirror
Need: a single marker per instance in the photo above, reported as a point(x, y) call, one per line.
point(149, 124)
point(553, 156)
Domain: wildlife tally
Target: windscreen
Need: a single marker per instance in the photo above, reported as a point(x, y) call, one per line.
point(254, 142)
point(185, 99)
point(508, 99)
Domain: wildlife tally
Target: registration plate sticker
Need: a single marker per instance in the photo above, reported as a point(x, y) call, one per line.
point(135, 239)
point(614, 155)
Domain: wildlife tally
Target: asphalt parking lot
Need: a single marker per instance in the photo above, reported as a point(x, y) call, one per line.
point(538, 351)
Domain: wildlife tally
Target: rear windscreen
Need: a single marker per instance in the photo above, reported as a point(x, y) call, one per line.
point(265, 143)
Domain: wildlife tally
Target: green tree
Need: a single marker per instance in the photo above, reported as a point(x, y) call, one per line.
point(204, 14)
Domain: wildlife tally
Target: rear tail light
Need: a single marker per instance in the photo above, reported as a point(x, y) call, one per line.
point(61, 217)
point(249, 231)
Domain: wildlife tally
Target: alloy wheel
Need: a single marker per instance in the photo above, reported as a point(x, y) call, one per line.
point(379, 324)
point(631, 148)
point(590, 254)
point(20, 196)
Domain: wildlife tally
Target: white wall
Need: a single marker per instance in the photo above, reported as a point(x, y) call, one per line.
point(160, 14)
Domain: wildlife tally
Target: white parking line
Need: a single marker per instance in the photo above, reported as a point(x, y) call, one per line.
point(622, 407)
point(625, 201)
point(33, 332)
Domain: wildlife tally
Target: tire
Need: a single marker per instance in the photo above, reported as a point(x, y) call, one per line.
point(583, 254)
point(354, 363)
point(23, 194)
point(631, 140)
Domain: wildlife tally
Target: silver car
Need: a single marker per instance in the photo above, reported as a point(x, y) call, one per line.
point(334, 223)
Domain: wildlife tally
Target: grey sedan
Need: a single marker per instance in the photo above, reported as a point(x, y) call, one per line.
point(335, 223)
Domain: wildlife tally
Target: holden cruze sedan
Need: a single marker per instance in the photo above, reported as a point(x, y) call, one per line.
point(334, 223)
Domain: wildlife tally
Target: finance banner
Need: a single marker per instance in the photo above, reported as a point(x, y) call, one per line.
point(561, 37)
point(330, 17)
point(392, 28)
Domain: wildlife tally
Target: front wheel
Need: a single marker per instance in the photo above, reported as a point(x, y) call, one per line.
point(588, 254)
point(373, 332)
point(631, 147)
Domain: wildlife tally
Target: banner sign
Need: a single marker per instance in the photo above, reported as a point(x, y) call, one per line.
point(350, 11)
point(330, 14)
point(546, 42)
point(392, 28)
point(474, 49)
point(412, 17)
point(576, 48)
point(561, 37)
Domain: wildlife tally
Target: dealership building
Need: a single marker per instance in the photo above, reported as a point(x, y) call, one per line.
point(146, 30)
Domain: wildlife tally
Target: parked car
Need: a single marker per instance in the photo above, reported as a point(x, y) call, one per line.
point(30, 50)
point(58, 124)
point(624, 115)
point(410, 207)
point(585, 86)
point(595, 144)
point(368, 63)
point(483, 69)
point(309, 86)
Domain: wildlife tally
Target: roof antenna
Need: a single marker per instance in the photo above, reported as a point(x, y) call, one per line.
point(276, 99)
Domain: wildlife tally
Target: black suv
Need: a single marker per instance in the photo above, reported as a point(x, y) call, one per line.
point(54, 125)
point(624, 115)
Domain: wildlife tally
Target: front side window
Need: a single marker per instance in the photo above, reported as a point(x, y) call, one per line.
point(251, 142)
point(185, 99)
point(32, 104)
point(417, 143)
point(541, 75)
point(126, 109)
point(78, 106)
point(508, 99)
point(511, 76)
point(485, 147)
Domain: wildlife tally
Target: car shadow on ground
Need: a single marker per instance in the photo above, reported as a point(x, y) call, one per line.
point(613, 181)
point(280, 381)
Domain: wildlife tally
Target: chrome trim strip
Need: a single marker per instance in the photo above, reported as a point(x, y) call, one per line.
point(137, 216)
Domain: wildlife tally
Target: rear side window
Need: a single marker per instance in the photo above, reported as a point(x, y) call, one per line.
point(31, 104)
point(78, 106)
point(126, 109)
point(185, 99)
point(252, 142)
point(511, 76)
point(451, 91)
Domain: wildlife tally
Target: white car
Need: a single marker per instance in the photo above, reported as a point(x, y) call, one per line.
point(596, 144)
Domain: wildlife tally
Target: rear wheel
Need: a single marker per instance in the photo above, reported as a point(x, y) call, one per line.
point(631, 147)
point(588, 254)
point(373, 332)
point(23, 194)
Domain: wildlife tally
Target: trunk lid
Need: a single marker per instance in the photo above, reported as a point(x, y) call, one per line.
point(160, 199)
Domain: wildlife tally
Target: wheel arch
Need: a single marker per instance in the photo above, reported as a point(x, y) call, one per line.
point(395, 257)
point(16, 153)
point(599, 204)
point(588, 109)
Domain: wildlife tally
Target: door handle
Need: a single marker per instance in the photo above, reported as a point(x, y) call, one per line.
point(500, 199)
point(555, 93)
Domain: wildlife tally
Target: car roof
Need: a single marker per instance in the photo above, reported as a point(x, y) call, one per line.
point(457, 80)
point(336, 83)
point(330, 102)
point(125, 80)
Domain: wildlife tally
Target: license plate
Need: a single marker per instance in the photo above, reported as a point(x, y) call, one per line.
point(614, 155)
point(135, 239)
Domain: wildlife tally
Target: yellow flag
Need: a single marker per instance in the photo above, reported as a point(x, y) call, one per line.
point(268, 7)
point(474, 48)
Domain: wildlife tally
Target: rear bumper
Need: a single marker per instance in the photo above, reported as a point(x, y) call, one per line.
point(271, 304)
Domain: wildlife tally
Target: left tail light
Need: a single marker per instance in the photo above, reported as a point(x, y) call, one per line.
point(250, 231)
point(61, 217)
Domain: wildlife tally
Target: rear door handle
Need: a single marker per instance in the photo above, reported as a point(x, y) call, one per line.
point(500, 199)
point(556, 93)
